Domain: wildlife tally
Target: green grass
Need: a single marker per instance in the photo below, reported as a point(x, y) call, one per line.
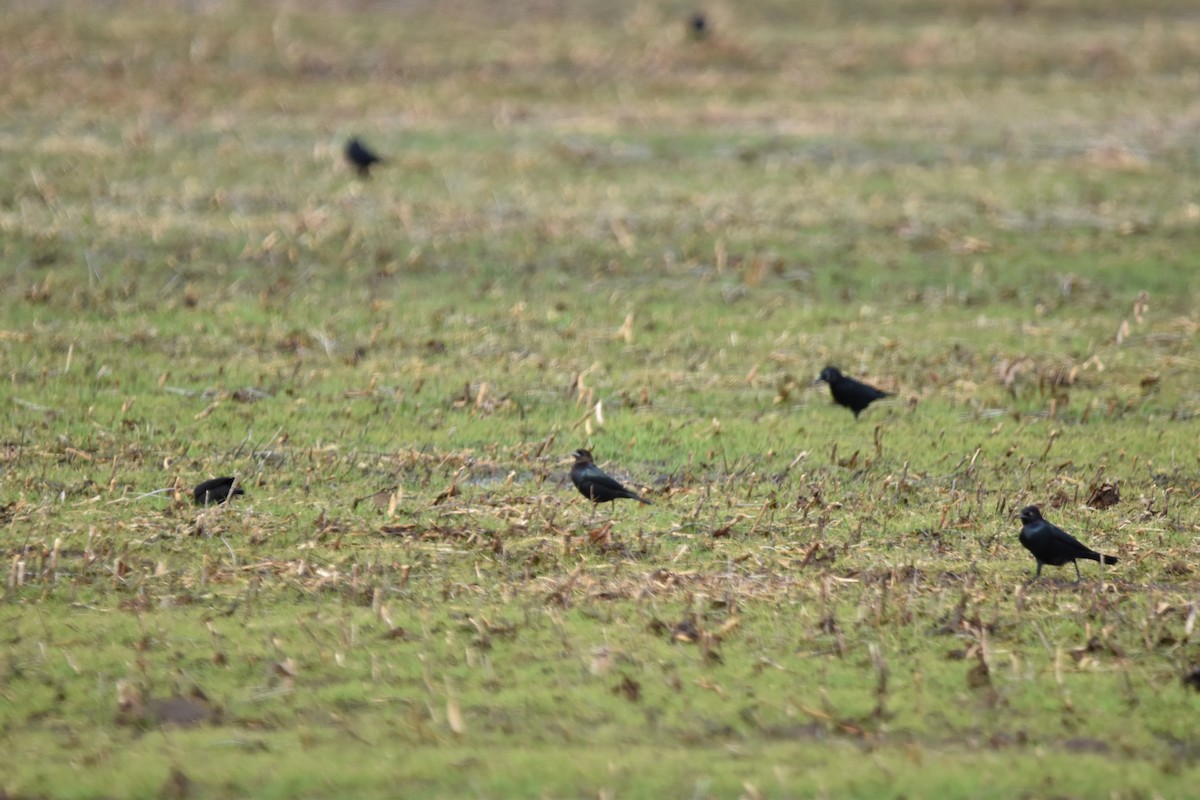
point(595, 232)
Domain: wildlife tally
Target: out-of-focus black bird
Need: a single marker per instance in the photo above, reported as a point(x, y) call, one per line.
point(698, 25)
point(594, 484)
point(216, 491)
point(1052, 545)
point(361, 157)
point(854, 395)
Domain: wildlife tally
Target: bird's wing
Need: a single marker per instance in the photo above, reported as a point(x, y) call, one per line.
point(1067, 539)
point(601, 479)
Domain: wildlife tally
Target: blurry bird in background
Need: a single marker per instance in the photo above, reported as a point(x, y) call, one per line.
point(361, 157)
point(596, 485)
point(847, 392)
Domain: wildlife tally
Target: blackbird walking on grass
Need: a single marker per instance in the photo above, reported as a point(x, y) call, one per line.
point(854, 395)
point(594, 484)
point(1052, 545)
point(361, 157)
point(215, 491)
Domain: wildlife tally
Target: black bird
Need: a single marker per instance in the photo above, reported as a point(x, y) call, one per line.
point(215, 491)
point(594, 484)
point(698, 25)
point(361, 157)
point(1052, 545)
point(854, 395)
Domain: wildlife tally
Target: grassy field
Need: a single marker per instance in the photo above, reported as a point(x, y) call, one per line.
point(593, 230)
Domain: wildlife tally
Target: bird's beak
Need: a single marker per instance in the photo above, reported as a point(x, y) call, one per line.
point(818, 380)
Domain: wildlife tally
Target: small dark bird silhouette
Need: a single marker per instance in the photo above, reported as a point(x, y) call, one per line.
point(594, 484)
point(854, 395)
point(698, 25)
point(1052, 545)
point(215, 491)
point(361, 157)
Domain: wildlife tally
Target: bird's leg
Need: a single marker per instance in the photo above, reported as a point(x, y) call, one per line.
point(1078, 574)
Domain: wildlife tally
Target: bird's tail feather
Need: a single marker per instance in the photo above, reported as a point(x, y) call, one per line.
point(1110, 559)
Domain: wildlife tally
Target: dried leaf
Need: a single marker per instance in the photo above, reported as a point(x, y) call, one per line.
point(284, 672)
point(1104, 495)
point(628, 688)
point(602, 660)
point(712, 686)
point(979, 676)
point(626, 331)
point(454, 717)
point(727, 627)
point(601, 535)
point(686, 631)
point(177, 786)
point(446, 494)
point(130, 708)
